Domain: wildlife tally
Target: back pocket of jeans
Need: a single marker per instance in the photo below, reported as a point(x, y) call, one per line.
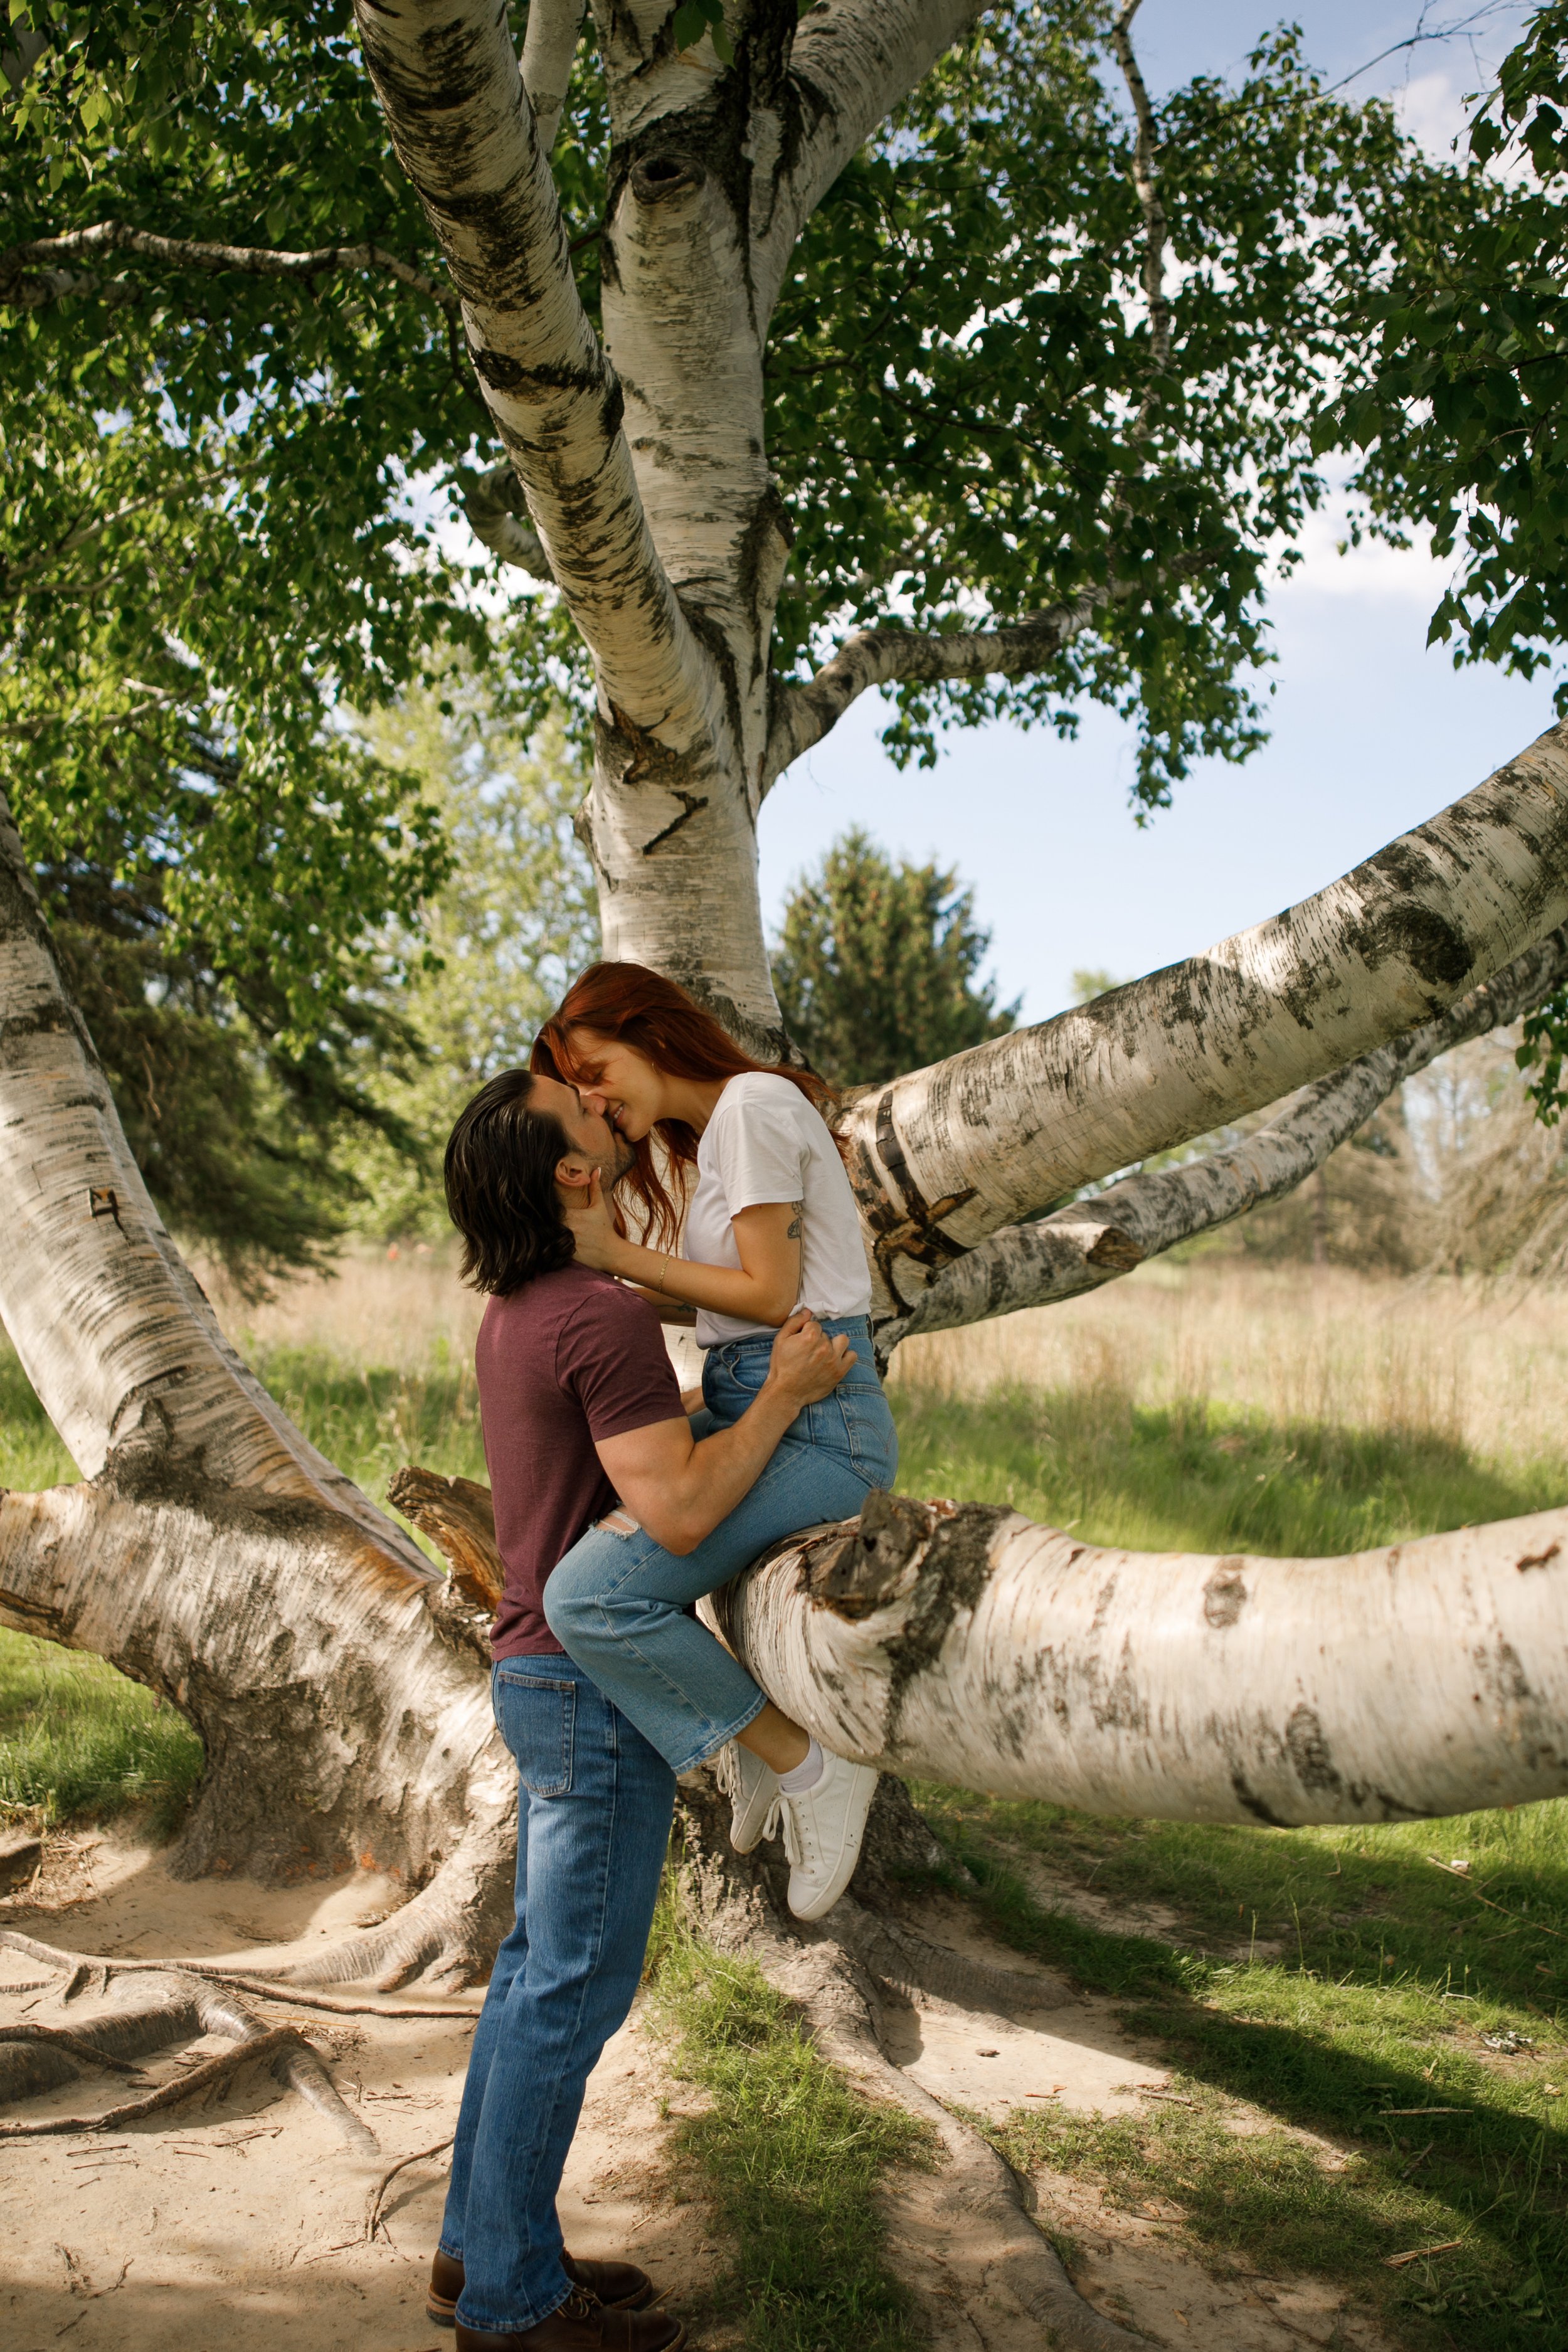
point(537, 1717)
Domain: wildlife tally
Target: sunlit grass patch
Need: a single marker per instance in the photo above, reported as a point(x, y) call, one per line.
point(787, 2155)
point(369, 1420)
point(1201, 1476)
point(1339, 1986)
point(31, 1456)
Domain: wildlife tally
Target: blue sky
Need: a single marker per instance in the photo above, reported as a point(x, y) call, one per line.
point(1370, 732)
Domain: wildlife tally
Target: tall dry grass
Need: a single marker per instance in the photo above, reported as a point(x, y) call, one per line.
point(1480, 1364)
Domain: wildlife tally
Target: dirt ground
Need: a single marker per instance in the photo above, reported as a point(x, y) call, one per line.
point(243, 2220)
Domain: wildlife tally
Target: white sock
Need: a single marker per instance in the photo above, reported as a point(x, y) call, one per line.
point(806, 1775)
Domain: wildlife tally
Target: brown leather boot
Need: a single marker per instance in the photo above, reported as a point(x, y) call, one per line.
point(620, 2287)
point(581, 2324)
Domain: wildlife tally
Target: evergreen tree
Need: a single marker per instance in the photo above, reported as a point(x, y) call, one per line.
point(876, 966)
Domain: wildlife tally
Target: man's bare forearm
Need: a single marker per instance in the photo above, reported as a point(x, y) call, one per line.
point(723, 1470)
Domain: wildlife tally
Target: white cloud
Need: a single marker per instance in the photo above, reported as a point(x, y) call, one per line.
point(1386, 575)
point(1431, 107)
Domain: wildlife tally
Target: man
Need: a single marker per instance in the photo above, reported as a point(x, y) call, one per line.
point(571, 1365)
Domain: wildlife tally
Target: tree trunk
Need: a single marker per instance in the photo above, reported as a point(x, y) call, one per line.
point(210, 1552)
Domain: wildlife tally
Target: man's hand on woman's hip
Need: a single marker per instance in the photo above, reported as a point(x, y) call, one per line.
point(807, 1365)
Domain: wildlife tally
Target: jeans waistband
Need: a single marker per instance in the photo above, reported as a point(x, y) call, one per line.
point(854, 1325)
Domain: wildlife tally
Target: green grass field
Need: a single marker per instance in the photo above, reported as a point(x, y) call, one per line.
point(1328, 1979)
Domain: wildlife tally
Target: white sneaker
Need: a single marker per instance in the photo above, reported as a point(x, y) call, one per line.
point(821, 1832)
point(753, 1794)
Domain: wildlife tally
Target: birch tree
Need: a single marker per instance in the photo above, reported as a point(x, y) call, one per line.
point(671, 268)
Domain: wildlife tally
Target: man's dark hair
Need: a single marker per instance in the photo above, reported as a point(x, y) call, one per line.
point(500, 1166)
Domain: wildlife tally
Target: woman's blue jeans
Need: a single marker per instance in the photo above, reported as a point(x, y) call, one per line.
point(593, 1806)
point(619, 1604)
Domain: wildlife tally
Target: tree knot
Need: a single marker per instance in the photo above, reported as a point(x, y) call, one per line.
point(655, 179)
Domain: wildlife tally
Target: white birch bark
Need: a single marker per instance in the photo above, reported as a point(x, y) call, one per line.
point(549, 47)
point(943, 1156)
point(1097, 1241)
point(210, 1551)
point(968, 1645)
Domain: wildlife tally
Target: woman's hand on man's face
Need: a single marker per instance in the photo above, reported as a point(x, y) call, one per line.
point(587, 1218)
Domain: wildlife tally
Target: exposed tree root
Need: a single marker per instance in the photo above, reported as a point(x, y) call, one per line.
point(76, 2044)
point(215, 1972)
point(200, 2078)
point(377, 2195)
point(151, 2007)
point(838, 1973)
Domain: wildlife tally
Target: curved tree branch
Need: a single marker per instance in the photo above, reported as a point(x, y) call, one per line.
point(34, 275)
point(851, 63)
point(498, 515)
point(1093, 1241)
point(464, 132)
point(804, 714)
point(943, 1156)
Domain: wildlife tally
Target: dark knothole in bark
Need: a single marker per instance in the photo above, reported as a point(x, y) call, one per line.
point(657, 177)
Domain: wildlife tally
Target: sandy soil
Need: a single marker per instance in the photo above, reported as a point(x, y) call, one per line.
point(245, 2217)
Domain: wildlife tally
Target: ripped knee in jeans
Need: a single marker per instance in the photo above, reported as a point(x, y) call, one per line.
point(619, 1522)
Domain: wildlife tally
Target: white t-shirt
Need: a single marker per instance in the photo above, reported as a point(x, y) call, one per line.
point(766, 1142)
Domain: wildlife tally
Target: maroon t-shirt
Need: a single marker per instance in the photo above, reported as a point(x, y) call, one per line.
point(569, 1359)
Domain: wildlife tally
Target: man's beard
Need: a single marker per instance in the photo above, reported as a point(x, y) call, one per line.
point(620, 1160)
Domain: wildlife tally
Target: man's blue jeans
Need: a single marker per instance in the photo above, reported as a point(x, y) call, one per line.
point(594, 1807)
point(619, 1604)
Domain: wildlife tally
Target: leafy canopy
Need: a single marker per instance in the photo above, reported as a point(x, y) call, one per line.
point(1460, 409)
point(877, 966)
point(230, 500)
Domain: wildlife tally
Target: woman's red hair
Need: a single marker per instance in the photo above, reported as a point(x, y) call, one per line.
point(642, 1009)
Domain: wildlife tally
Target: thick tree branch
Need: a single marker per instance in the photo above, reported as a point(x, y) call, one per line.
point(966, 1644)
point(34, 275)
point(452, 91)
point(549, 47)
point(804, 714)
point(1093, 1241)
point(942, 1157)
point(852, 62)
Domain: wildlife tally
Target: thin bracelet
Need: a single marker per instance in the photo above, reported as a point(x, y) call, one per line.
point(664, 1269)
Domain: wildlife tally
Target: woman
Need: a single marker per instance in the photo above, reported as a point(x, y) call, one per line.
point(771, 1226)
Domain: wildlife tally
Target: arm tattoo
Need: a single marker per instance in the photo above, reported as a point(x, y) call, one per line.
point(795, 1222)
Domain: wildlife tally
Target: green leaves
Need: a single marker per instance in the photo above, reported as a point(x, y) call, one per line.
point(695, 18)
point(1460, 407)
point(965, 407)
